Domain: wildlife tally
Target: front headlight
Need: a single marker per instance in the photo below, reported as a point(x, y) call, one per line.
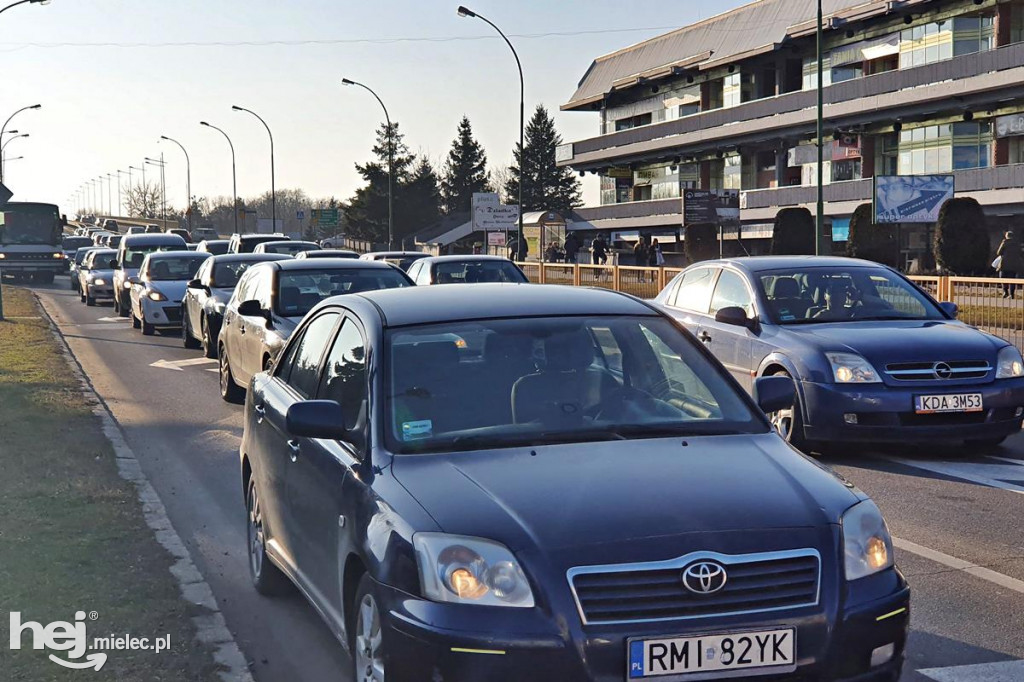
point(464, 570)
point(127, 284)
point(99, 281)
point(1009, 363)
point(58, 255)
point(850, 368)
point(155, 295)
point(3, 255)
point(866, 539)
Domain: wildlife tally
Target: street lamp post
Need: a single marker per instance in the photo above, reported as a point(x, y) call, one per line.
point(3, 148)
point(188, 179)
point(159, 163)
point(466, 12)
point(120, 204)
point(110, 203)
point(819, 220)
point(391, 162)
point(22, 2)
point(234, 177)
point(34, 106)
point(273, 191)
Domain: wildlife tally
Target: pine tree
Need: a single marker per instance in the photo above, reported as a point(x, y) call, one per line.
point(547, 187)
point(420, 201)
point(367, 212)
point(465, 171)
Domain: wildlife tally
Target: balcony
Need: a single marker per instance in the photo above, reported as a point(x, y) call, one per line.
point(720, 124)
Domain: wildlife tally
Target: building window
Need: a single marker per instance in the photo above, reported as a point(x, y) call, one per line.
point(926, 44)
point(811, 72)
point(972, 145)
point(633, 122)
point(716, 174)
point(929, 150)
point(973, 34)
point(689, 176)
point(732, 90)
point(887, 153)
point(732, 174)
point(849, 169)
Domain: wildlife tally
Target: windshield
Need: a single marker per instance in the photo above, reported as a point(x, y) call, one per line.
point(300, 290)
point(133, 257)
point(462, 272)
point(827, 294)
point(226, 275)
point(491, 384)
point(290, 248)
point(99, 259)
point(249, 244)
point(216, 248)
point(30, 224)
point(75, 243)
point(166, 268)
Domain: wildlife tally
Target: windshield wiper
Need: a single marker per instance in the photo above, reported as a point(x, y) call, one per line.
point(674, 430)
point(533, 438)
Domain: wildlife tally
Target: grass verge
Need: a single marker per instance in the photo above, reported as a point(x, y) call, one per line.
point(72, 534)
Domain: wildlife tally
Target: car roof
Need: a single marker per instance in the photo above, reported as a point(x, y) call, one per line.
point(104, 250)
point(284, 241)
point(215, 241)
point(334, 263)
point(248, 257)
point(465, 257)
point(454, 302)
point(763, 263)
point(277, 237)
point(175, 255)
point(392, 254)
point(162, 238)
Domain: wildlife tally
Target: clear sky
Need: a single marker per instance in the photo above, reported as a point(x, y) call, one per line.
point(105, 107)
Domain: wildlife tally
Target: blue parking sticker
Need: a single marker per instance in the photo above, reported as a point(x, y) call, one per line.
point(417, 430)
point(636, 659)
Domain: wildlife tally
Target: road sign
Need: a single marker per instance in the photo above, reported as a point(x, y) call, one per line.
point(911, 198)
point(489, 214)
point(324, 217)
point(300, 215)
point(496, 238)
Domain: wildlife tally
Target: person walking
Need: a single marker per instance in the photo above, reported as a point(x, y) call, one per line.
point(640, 253)
point(572, 247)
point(1009, 262)
point(599, 250)
point(655, 258)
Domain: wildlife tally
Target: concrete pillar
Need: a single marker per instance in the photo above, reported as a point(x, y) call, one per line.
point(781, 166)
point(705, 175)
point(867, 156)
point(1004, 23)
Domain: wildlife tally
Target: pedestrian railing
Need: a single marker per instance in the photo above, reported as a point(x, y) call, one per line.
point(980, 299)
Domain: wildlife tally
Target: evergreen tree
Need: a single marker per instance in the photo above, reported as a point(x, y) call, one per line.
point(465, 171)
point(547, 187)
point(420, 201)
point(367, 212)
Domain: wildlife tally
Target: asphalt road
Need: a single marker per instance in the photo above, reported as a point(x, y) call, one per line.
point(955, 515)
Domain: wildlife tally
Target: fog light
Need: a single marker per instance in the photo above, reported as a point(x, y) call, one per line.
point(850, 418)
point(1018, 412)
point(882, 655)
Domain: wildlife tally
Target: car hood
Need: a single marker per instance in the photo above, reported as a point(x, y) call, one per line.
point(105, 274)
point(885, 342)
point(174, 290)
point(559, 496)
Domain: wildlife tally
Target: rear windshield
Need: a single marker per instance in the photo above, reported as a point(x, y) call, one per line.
point(226, 275)
point(468, 272)
point(172, 269)
point(74, 243)
point(300, 290)
point(133, 256)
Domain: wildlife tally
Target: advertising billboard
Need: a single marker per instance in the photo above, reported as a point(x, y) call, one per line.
point(710, 206)
point(911, 198)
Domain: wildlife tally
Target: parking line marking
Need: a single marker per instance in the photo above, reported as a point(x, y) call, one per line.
point(1005, 671)
point(961, 565)
point(963, 472)
point(178, 364)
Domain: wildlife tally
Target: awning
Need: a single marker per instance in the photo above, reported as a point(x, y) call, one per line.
point(866, 50)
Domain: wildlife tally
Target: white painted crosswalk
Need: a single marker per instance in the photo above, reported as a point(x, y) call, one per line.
point(995, 472)
point(1005, 671)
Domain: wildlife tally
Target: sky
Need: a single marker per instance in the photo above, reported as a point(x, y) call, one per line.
point(113, 76)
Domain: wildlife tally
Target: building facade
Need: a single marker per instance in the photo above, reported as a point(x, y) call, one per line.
point(911, 87)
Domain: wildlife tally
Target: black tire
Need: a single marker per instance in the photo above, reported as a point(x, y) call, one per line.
point(81, 297)
point(147, 328)
point(187, 339)
point(209, 347)
point(135, 321)
point(790, 423)
point(90, 300)
point(122, 309)
point(364, 652)
point(266, 577)
point(230, 391)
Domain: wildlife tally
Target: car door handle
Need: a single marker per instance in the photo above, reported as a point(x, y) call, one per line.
point(241, 328)
point(261, 412)
point(704, 337)
point(293, 446)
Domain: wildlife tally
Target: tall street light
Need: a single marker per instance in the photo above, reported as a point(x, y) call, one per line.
point(22, 2)
point(110, 202)
point(819, 222)
point(34, 106)
point(3, 148)
point(145, 193)
point(466, 12)
point(273, 192)
point(234, 177)
point(120, 204)
point(391, 162)
point(188, 179)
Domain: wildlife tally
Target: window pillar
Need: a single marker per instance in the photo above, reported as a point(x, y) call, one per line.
point(1004, 24)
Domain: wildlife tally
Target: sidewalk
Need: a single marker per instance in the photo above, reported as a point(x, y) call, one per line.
point(73, 539)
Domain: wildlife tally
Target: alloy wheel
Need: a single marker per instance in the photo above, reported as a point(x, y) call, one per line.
point(369, 653)
point(783, 422)
point(255, 533)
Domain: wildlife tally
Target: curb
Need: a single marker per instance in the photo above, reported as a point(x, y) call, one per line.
point(211, 628)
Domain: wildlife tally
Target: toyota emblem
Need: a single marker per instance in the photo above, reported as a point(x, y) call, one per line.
point(704, 577)
point(942, 370)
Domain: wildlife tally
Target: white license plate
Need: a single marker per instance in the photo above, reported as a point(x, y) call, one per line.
point(958, 402)
point(713, 656)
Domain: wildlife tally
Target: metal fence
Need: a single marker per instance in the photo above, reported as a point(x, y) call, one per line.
point(981, 300)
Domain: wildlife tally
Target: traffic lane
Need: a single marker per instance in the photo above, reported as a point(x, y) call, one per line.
point(965, 519)
point(186, 439)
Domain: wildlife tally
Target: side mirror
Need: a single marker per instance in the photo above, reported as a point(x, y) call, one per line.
point(316, 419)
point(114, 265)
point(774, 393)
point(196, 284)
point(134, 280)
point(951, 309)
point(252, 308)
point(735, 316)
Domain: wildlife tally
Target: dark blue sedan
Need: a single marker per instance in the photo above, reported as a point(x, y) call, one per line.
point(873, 357)
point(542, 483)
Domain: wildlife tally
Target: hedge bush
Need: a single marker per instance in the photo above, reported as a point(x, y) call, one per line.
point(700, 242)
point(794, 233)
point(870, 241)
point(961, 238)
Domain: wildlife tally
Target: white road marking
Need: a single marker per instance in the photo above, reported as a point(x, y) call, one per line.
point(960, 565)
point(214, 369)
point(1008, 460)
point(991, 475)
point(1006, 671)
point(112, 319)
point(178, 364)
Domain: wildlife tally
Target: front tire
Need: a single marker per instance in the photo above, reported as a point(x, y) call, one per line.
point(122, 309)
point(790, 423)
point(368, 635)
point(209, 347)
point(90, 300)
point(135, 321)
point(266, 577)
point(230, 391)
point(147, 328)
point(187, 339)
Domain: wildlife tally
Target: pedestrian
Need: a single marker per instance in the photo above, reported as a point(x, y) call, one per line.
point(572, 247)
point(1008, 262)
point(599, 250)
point(513, 248)
point(551, 253)
point(640, 257)
point(523, 248)
point(655, 258)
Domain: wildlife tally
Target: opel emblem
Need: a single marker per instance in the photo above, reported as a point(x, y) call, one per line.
point(942, 370)
point(704, 577)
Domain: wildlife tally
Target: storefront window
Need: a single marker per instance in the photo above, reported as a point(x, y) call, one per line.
point(732, 177)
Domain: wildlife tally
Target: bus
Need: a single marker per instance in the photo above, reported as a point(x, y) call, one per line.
point(30, 241)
